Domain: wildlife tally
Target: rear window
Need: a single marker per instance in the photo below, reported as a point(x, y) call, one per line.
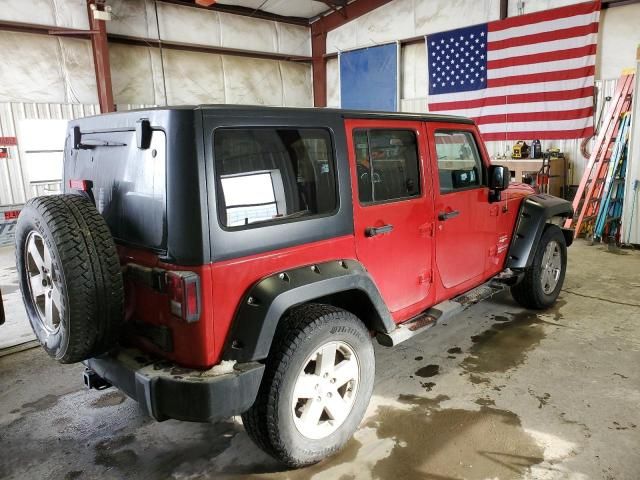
point(267, 175)
point(387, 164)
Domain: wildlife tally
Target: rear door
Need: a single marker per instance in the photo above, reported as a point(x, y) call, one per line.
point(393, 209)
point(464, 217)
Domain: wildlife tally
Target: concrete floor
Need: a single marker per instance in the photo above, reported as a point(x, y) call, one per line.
point(498, 393)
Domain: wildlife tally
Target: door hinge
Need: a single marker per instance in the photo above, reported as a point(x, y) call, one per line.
point(427, 229)
point(151, 277)
point(425, 278)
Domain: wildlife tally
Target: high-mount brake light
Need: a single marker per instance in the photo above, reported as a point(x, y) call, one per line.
point(183, 289)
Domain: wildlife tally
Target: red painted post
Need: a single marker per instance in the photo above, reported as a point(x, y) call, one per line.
point(319, 67)
point(100, 48)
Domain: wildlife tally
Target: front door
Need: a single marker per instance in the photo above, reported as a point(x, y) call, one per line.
point(463, 213)
point(393, 209)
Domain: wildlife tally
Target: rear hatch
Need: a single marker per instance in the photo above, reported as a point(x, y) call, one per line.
point(144, 181)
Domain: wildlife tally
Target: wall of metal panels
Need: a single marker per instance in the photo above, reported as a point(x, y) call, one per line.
point(58, 69)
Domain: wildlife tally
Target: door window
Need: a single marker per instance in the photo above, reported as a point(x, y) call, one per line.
point(459, 163)
point(387, 165)
point(268, 175)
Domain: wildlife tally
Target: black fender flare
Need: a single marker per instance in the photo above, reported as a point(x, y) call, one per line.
point(257, 317)
point(535, 212)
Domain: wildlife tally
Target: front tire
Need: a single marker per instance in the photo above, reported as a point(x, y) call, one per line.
point(316, 387)
point(543, 280)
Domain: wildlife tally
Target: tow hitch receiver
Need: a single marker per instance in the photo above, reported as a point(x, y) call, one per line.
point(93, 380)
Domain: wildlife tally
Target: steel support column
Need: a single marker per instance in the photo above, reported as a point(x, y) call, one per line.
point(100, 48)
point(319, 68)
point(504, 9)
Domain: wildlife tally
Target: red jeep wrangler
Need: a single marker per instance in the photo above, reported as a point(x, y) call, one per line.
point(220, 260)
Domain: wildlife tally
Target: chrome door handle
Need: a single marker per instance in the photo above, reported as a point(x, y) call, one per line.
point(373, 231)
point(447, 215)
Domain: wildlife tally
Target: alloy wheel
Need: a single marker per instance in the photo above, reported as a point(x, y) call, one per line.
point(42, 277)
point(325, 389)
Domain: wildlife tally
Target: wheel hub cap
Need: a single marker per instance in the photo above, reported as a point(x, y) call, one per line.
point(325, 390)
point(43, 288)
point(551, 267)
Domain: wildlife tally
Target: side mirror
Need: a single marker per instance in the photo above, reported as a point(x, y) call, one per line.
point(499, 177)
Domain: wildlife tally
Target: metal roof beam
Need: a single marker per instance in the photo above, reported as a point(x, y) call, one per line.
point(242, 11)
point(349, 12)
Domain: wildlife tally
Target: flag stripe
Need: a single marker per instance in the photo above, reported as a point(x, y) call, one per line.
point(522, 98)
point(542, 57)
point(544, 37)
point(543, 77)
point(534, 116)
point(522, 107)
point(536, 28)
point(514, 91)
point(540, 134)
point(542, 67)
point(526, 50)
point(545, 15)
point(536, 126)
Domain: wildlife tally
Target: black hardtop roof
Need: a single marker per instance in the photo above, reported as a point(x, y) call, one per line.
point(369, 114)
point(257, 110)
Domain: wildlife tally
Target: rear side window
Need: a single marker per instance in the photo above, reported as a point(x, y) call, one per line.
point(267, 175)
point(459, 164)
point(387, 165)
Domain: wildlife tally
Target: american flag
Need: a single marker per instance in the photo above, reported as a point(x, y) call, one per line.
point(525, 77)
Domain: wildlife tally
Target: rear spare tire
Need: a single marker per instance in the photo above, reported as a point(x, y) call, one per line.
point(70, 276)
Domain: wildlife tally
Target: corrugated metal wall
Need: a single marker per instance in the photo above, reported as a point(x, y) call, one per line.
point(15, 187)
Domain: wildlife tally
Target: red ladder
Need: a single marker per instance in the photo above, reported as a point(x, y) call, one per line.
point(589, 194)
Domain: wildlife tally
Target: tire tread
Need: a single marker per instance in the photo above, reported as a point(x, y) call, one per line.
point(261, 420)
point(81, 243)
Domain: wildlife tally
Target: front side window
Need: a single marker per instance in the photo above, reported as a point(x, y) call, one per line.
point(387, 164)
point(273, 174)
point(459, 163)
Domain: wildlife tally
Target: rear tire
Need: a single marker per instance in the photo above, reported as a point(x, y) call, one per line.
point(70, 277)
point(543, 280)
point(321, 365)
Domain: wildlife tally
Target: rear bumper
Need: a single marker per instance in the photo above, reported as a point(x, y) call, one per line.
point(166, 391)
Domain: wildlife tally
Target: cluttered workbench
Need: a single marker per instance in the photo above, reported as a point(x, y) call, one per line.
point(544, 170)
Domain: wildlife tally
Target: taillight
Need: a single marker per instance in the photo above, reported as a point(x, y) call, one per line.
point(183, 289)
point(82, 185)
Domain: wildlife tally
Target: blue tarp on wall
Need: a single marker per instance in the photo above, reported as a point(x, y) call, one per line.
point(369, 78)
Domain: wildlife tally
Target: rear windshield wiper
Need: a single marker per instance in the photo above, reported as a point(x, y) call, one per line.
point(90, 143)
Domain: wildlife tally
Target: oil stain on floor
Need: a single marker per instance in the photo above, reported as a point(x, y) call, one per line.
point(109, 399)
point(505, 344)
point(435, 443)
point(428, 371)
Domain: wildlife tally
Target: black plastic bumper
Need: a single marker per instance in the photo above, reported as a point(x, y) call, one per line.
point(166, 391)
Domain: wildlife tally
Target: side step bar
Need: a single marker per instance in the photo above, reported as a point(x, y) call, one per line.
point(444, 311)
